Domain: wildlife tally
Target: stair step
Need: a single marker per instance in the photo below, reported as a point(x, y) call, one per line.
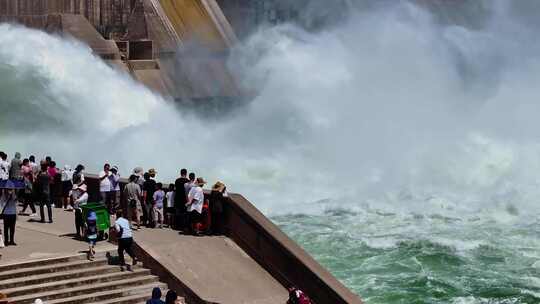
point(16, 273)
point(100, 297)
point(131, 299)
point(88, 289)
point(36, 263)
point(181, 299)
point(75, 281)
point(64, 275)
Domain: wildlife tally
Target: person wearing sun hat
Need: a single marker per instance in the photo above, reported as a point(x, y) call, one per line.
point(139, 172)
point(195, 205)
point(132, 202)
point(80, 197)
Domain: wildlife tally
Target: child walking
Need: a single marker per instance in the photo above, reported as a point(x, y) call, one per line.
point(91, 234)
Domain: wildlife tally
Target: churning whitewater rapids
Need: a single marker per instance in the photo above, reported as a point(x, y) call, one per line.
point(399, 145)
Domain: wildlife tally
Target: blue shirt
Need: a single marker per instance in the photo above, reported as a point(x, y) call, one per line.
point(158, 198)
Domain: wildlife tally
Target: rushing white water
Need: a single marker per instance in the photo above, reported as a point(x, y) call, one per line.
point(395, 124)
point(390, 102)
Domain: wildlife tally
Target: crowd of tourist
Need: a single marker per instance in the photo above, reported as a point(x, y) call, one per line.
point(144, 201)
point(181, 206)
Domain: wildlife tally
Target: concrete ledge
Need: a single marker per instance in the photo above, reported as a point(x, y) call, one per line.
point(281, 256)
point(265, 243)
point(167, 276)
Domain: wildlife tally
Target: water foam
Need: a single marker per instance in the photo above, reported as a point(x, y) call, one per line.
point(390, 109)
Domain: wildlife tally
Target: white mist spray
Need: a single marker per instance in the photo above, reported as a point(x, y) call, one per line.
point(389, 104)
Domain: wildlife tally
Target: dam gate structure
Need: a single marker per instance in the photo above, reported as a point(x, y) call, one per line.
point(176, 48)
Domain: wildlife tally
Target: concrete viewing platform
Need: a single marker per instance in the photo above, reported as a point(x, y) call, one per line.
point(251, 262)
point(214, 267)
point(37, 240)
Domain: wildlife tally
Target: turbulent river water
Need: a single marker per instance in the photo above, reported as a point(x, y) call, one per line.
point(399, 145)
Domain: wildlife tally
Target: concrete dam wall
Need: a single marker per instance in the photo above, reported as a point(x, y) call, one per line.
point(286, 262)
point(176, 48)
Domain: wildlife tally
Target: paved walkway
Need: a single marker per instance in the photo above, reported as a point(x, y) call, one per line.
point(214, 267)
point(37, 240)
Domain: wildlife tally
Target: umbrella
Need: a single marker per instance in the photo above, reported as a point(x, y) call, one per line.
point(11, 184)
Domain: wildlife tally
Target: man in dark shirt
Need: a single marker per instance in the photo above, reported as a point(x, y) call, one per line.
point(149, 187)
point(43, 191)
point(180, 200)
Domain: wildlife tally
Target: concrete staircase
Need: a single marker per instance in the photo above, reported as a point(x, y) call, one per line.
point(74, 279)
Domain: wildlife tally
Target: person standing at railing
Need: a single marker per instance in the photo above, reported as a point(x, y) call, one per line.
point(67, 185)
point(133, 198)
point(15, 167)
point(115, 189)
point(105, 185)
point(195, 206)
point(53, 186)
point(217, 199)
point(180, 200)
point(149, 188)
point(43, 188)
point(28, 197)
point(157, 207)
point(169, 207)
point(33, 165)
point(78, 175)
point(190, 184)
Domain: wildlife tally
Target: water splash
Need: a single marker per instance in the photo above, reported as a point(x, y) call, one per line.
point(391, 102)
point(394, 144)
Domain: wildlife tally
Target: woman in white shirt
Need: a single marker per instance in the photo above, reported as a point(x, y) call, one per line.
point(67, 185)
point(195, 205)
